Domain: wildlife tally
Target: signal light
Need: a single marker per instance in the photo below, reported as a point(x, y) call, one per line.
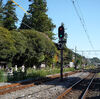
point(61, 32)
point(60, 28)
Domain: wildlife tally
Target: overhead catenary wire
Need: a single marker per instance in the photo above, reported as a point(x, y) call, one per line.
point(88, 50)
point(81, 18)
point(31, 27)
point(90, 54)
point(83, 23)
point(81, 14)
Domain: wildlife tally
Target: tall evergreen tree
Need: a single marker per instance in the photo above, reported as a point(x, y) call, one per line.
point(1, 13)
point(10, 16)
point(25, 22)
point(39, 20)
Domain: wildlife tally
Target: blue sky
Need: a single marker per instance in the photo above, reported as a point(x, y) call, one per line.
point(63, 11)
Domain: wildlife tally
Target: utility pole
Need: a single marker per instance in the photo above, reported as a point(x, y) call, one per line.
point(82, 59)
point(75, 58)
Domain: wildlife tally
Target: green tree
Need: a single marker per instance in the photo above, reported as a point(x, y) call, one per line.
point(38, 18)
point(10, 16)
point(20, 43)
point(35, 49)
point(95, 60)
point(39, 48)
point(25, 22)
point(1, 13)
point(7, 49)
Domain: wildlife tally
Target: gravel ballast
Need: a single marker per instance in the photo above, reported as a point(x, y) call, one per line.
point(48, 90)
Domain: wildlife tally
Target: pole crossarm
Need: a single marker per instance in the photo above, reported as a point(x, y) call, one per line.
point(20, 7)
point(88, 50)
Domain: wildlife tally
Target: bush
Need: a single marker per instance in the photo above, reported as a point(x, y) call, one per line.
point(2, 77)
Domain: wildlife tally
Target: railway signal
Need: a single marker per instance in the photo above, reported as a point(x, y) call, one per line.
point(61, 32)
point(61, 43)
point(60, 46)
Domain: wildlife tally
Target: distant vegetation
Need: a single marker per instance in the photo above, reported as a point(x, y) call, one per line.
point(30, 47)
point(27, 47)
point(95, 60)
point(31, 43)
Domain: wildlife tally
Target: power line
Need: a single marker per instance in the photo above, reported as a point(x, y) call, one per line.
point(88, 50)
point(20, 7)
point(82, 22)
point(81, 14)
point(25, 23)
point(18, 19)
point(25, 12)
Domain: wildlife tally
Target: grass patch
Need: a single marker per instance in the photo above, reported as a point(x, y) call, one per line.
point(31, 73)
point(44, 72)
point(99, 74)
point(90, 67)
point(68, 69)
point(3, 78)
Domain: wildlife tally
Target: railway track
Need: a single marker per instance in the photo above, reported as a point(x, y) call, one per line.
point(44, 90)
point(79, 89)
point(19, 86)
point(94, 89)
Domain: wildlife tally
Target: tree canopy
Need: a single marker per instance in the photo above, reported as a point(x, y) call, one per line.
point(1, 13)
point(7, 49)
point(9, 17)
point(27, 47)
point(38, 47)
point(32, 43)
point(38, 19)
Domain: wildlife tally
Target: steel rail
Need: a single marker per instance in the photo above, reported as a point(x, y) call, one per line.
point(25, 84)
point(20, 86)
point(86, 91)
point(70, 88)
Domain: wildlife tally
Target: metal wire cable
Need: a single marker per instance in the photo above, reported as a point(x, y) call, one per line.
point(19, 20)
point(83, 23)
point(24, 11)
point(20, 7)
point(81, 14)
point(88, 50)
point(27, 25)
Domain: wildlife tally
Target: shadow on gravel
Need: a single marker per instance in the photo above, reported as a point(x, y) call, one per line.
point(66, 83)
point(96, 97)
point(97, 70)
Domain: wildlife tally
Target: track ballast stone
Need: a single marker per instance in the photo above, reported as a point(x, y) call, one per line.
point(48, 90)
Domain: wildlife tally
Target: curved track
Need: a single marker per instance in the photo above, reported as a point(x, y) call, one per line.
point(79, 89)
